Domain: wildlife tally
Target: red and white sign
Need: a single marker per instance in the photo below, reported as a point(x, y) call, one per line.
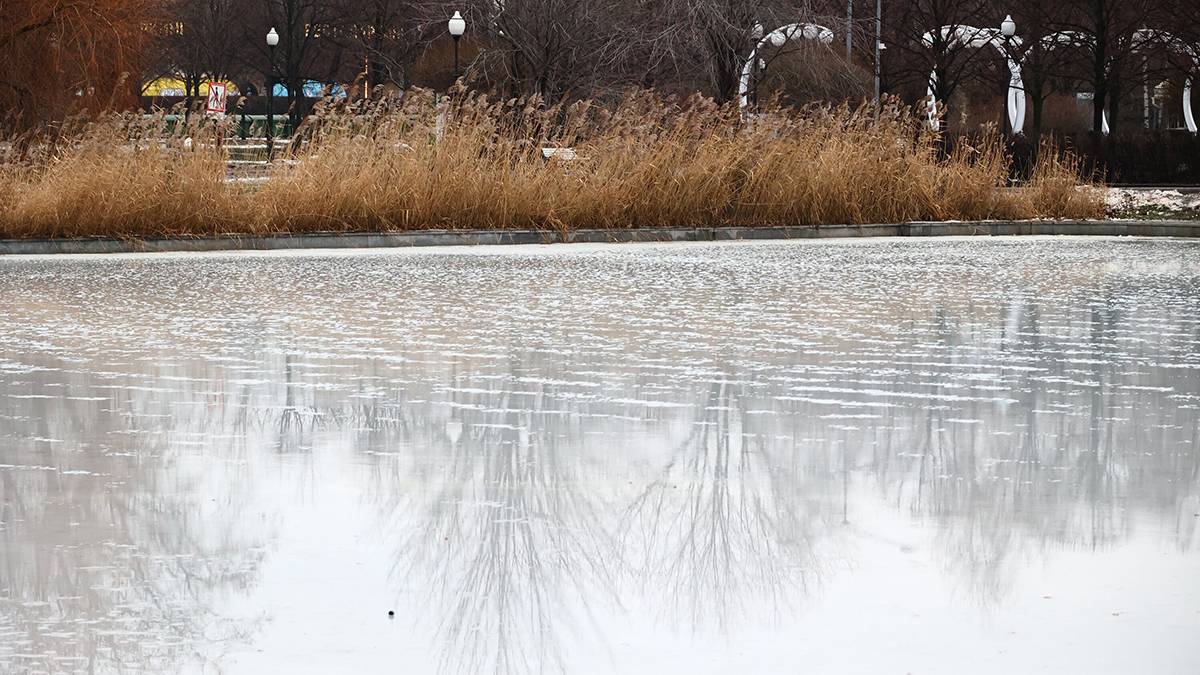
point(216, 98)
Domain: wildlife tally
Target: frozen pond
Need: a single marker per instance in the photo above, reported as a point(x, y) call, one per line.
point(887, 456)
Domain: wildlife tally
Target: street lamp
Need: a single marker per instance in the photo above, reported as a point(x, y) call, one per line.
point(457, 26)
point(878, 51)
point(1008, 28)
point(272, 43)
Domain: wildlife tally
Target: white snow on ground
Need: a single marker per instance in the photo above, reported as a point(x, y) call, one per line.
point(1119, 199)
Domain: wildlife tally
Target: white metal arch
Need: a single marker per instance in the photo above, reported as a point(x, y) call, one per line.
point(979, 38)
point(1172, 42)
point(1189, 118)
point(779, 37)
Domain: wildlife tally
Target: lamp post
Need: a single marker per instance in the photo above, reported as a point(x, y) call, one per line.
point(457, 26)
point(1008, 28)
point(849, 29)
point(878, 51)
point(242, 130)
point(272, 43)
point(756, 36)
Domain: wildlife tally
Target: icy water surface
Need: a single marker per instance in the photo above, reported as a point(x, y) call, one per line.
point(941, 456)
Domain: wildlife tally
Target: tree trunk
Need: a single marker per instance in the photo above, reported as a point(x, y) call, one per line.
point(191, 92)
point(1035, 91)
point(726, 71)
point(1039, 106)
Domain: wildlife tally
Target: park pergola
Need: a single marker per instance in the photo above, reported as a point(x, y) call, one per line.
point(778, 38)
point(1003, 39)
point(1008, 44)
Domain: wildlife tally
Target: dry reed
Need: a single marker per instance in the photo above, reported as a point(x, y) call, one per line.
point(468, 162)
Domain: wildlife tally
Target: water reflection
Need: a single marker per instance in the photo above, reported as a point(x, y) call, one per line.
point(554, 448)
point(116, 547)
point(510, 540)
point(731, 519)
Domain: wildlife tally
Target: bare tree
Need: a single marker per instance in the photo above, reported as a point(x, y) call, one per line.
point(556, 47)
point(723, 32)
point(1107, 32)
point(922, 35)
point(62, 55)
point(807, 72)
point(202, 42)
point(390, 35)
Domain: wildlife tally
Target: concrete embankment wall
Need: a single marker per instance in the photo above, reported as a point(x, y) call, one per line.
point(648, 234)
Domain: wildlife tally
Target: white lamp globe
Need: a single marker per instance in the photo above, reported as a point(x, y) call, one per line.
point(1008, 27)
point(272, 38)
point(457, 25)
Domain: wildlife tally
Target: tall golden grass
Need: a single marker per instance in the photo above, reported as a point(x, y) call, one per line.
point(469, 162)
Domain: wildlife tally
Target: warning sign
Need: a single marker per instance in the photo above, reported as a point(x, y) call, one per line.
point(216, 98)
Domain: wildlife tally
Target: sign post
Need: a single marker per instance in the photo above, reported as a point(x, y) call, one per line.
point(216, 98)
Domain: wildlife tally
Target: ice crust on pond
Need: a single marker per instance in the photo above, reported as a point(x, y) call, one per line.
point(963, 455)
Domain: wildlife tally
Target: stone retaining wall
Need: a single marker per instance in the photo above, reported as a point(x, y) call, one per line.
point(648, 234)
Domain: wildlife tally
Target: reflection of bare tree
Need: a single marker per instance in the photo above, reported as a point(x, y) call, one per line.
point(114, 548)
point(512, 547)
point(510, 542)
point(727, 522)
point(1057, 469)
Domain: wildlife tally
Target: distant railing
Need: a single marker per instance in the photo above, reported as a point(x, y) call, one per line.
point(244, 127)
